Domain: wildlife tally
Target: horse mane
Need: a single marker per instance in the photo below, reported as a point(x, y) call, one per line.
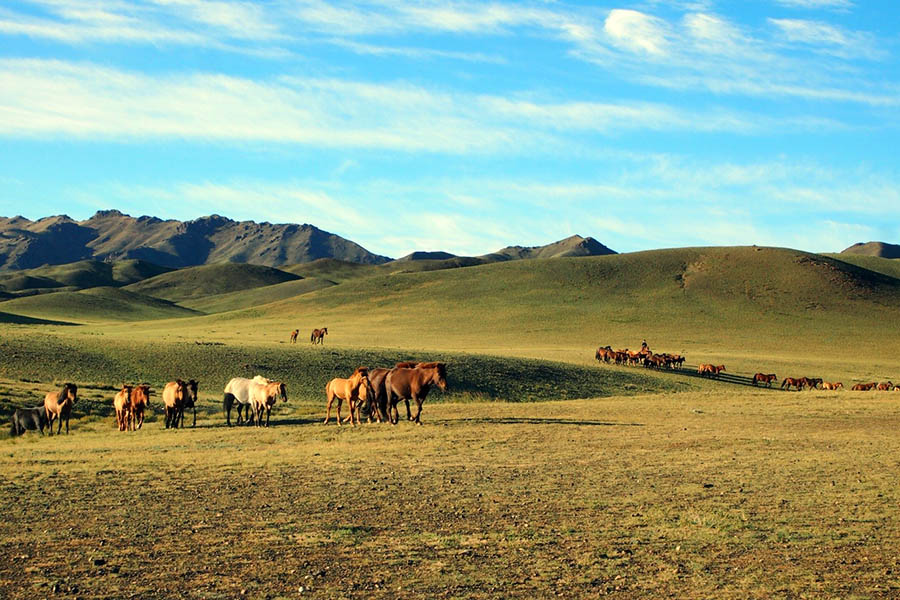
point(406, 365)
point(362, 370)
point(261, 380)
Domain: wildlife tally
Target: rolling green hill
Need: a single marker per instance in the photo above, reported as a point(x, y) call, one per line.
point(79, 275)
point(885, 266)
point(256, 296)
point(95, 305)
point(209, 280)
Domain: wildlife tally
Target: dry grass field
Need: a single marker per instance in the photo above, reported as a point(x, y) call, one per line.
point(725, 494)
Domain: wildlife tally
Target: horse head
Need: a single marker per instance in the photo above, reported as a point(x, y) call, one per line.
point(280, 390)
point(191, 397)
point(69, 392)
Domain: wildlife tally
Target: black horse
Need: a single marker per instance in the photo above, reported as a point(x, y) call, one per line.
point(28, 418)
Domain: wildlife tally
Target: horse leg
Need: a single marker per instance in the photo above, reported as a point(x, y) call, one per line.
point(268, 412)
point(408, 414)
point(194, 424)
point(339, 402)
point(418, 409)
point(328, 410)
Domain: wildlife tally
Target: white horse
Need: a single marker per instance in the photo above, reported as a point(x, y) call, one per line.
point(238, 392)
point(255, 395)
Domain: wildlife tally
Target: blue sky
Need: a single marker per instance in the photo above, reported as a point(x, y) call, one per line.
point(462, 126)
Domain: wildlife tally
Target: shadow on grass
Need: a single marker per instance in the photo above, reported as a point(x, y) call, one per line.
point(540, 421)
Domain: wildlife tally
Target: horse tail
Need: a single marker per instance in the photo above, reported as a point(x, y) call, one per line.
point(13, 430)
point(227, 402)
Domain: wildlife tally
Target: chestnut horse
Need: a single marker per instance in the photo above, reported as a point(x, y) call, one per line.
point(711, 370)
point(294, 335)
point(58, 405)
point(790, 381)
point(349, 390)
point(264, 396)
point(863, 387)
point(764, 378)
point(318, 335)
point(174, 396)
point(140, 400)
point(827, 385)
point(374, 402)
point(885, 387)
point(413, 384)
point(122, 404)
point(811, 382)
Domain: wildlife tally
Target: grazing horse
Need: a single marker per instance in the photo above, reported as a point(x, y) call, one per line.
point(140, 401)
point(413, 384)
point(318, 335)
point(58, 405)
point(263, 397)
point(174, 395)
point(864, 387)
point(294, 335)
point(122, 404)
point(764, 378)
point(885, 387)
point(349, 390)
point(237, 391)
point(791, 381)
point(827, 385)
point(28, 418)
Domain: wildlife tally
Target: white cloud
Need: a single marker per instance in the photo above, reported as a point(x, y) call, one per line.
point(826, 37)
point(817, 4)
point(636, 31)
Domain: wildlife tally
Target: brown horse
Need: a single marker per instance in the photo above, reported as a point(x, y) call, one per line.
point(174, 396)
point(349, 390)
point(318, 335)
point(764, 378)
point(864, 387)
point(791, 381)
point(885, 387)
point(122, 404)
point(812, 383)
point(711, 370)
point(140, 400)
point(413, 384)
point(58, 405)
point(294, 335)
point(827, 385)
point(374, 403)
point(604, 354)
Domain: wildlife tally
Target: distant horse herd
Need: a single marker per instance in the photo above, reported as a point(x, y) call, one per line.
point(645, 357)
point(375, 392)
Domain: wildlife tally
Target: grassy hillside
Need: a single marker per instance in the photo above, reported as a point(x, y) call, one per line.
point(256, 296)
point(765, 308)
point(210, 280)
point(80, 275)
point(885, 266)
point(95, 305)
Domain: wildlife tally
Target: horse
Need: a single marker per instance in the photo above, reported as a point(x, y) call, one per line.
point(863, 387)
point(712, 370)
point(58, 405)
point(122, 404)
point(373, 397)
point(190, 401)
point(810, 382)
point(790, 381)
point(237, 391)
point(140, 400)
point(263, 397)
point(174, 395)
point(349, 390)
point(294, 335)
point(826, 385)
point(28, 418)
point(604, 354)
point(318, 335)
point(885, 387)
point(764, 378)
point(413, 384)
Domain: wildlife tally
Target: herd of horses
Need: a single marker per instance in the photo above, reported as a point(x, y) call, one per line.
point(375, 392)
point(645, 357)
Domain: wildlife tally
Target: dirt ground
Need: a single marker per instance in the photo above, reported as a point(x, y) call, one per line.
point(695, 495)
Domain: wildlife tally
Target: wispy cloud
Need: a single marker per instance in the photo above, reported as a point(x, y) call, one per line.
point(817, 4)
